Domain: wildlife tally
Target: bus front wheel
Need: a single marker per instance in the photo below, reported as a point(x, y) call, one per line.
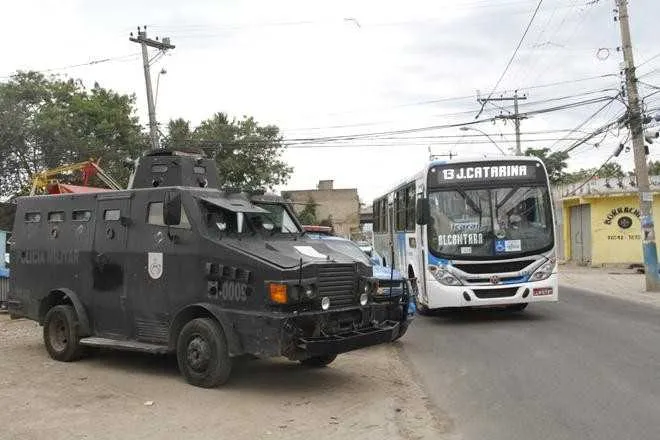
point(423, 310)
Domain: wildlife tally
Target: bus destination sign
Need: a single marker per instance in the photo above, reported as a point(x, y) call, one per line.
point(463, 173)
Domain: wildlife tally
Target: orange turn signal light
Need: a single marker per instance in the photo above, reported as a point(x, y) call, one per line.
point(278, 293)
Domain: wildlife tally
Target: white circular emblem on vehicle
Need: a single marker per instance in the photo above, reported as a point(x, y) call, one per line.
point(155, 265)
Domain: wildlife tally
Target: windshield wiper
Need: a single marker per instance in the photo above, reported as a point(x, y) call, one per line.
point(476, 208)
point(507, 197)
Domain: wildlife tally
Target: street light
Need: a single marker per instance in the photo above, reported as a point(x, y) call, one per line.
point(485, 134)
point(162, 72)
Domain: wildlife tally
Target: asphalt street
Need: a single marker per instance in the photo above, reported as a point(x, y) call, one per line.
point(587, 367)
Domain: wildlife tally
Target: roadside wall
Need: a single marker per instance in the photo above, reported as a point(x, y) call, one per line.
point(615, 227)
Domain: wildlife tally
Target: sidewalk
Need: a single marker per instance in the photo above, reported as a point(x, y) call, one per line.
point(616, 282)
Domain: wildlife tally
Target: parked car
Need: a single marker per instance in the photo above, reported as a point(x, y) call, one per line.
point(391, 283)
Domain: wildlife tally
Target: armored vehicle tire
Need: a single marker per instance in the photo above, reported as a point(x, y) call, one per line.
point(202, 353)
point(61, 334)
point(517, 307)
point(319, 361)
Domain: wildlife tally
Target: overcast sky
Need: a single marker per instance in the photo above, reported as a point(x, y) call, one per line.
point(333, 68)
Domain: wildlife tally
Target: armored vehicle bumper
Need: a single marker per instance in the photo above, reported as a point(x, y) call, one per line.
point(315, 333)
point(343, 342)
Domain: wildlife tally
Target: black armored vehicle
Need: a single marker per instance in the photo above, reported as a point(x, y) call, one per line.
point(174, 264)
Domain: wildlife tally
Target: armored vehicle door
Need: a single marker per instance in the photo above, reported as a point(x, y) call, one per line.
point(109, 259)
point(163, 265)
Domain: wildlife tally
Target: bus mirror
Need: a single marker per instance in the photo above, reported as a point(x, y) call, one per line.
point(423, 211)
point(172, 208)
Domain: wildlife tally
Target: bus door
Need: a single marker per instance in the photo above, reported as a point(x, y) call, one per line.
point(421, 254)
point(390, 232)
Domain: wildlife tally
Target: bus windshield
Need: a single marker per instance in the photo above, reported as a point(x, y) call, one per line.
point(504, 222)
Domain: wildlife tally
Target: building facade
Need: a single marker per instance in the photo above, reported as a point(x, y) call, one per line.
point(341, 207)
point(601, 221)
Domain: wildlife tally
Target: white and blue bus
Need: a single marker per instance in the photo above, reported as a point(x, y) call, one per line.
point(472, 233)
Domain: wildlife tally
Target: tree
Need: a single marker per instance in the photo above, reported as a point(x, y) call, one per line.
point(654, 168)
point(610, 170)
point(47, 122)
point(578, 176)
point(308, 214)
point(247, 154)
point(554, 162)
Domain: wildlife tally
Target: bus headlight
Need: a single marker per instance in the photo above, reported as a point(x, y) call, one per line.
point(544, 272)
point(445, 277)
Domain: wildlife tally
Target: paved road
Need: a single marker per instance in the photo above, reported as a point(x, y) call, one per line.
point(587, 367)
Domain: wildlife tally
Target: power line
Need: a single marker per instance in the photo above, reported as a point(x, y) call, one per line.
point(88, 63)
point(589, 119)
point(444, 115)
point(656, 56)
point(515, 52)
point(593, 175)
point(595, 133)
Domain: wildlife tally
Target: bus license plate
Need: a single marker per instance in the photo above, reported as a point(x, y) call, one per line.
point(542, 291)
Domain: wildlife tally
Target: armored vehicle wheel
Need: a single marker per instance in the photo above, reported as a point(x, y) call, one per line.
point(61, 334)
point(202, 353)
point(517, 307)
point(319, 361)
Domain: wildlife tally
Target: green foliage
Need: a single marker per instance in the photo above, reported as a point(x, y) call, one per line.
point(554, 162)
point(609, 170)
point(308, 215)
point(247, 154)
point(654, 168)
point(46, 122)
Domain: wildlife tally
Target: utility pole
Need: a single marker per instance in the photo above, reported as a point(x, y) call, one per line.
point(162, 46)
point(516, 117)
point(639, 151)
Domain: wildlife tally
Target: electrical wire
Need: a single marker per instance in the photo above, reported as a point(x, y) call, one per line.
point(654, 57)
point(515, 52)
point(586, 121)
point(592, 176)
point(73, 66)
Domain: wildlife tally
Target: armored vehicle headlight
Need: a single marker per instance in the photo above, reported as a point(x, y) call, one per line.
point(278, 293)
point(364, 299)
point(325, 303)
point(309, 292)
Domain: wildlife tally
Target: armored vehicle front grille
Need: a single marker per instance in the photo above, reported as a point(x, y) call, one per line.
point(338, 282)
